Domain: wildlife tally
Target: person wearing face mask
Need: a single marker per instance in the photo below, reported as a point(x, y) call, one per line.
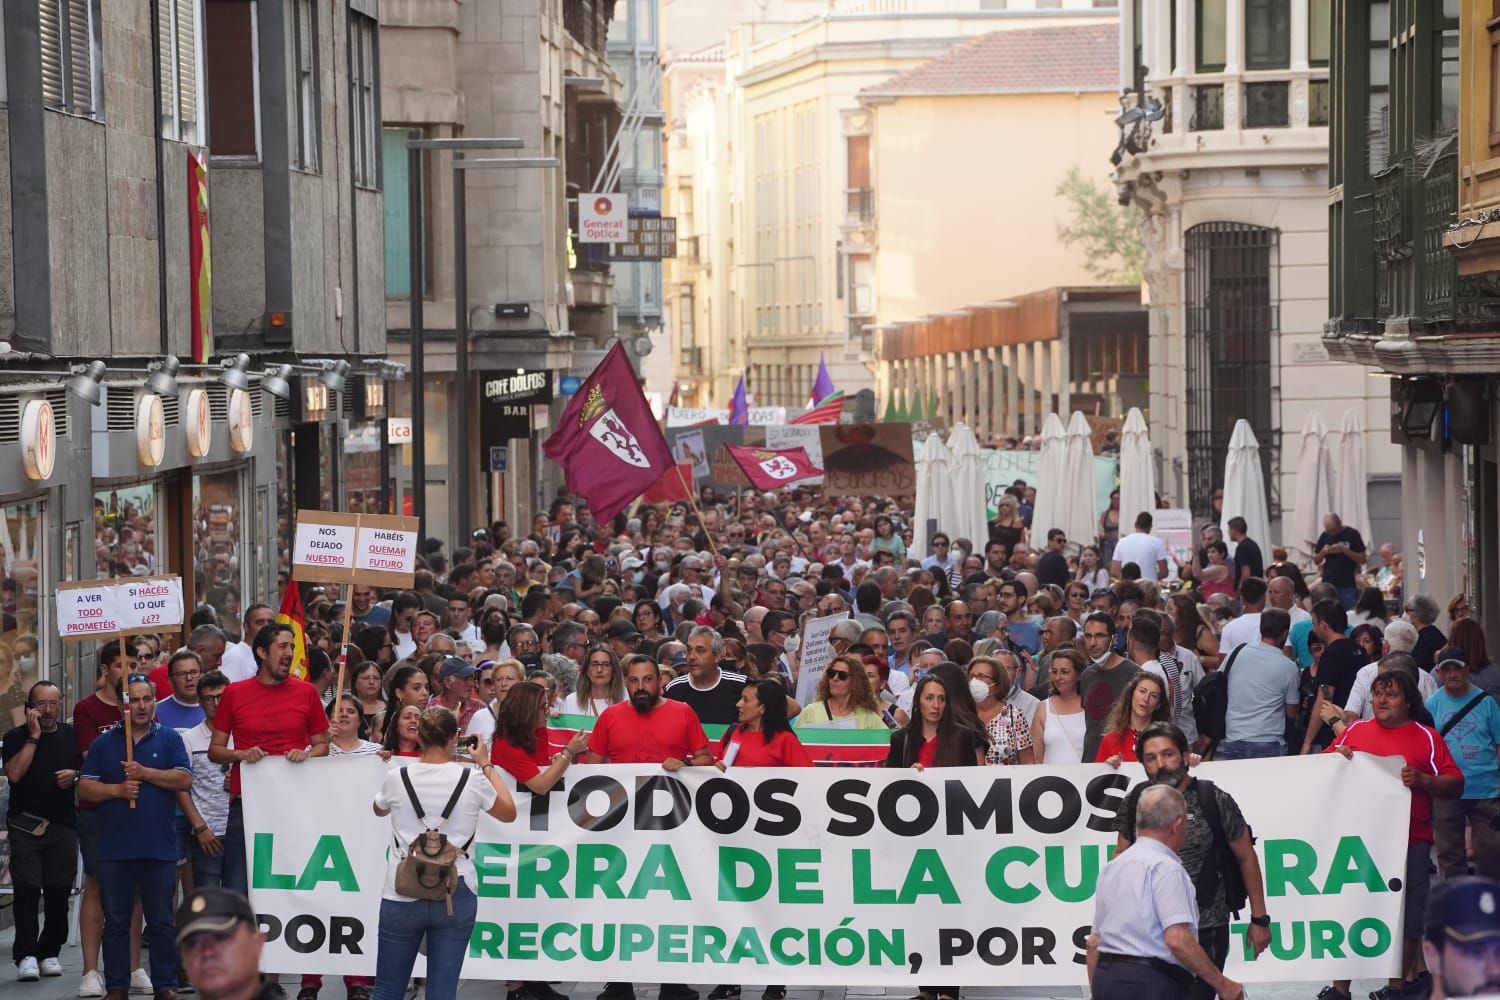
point(1216, 831)
point(1008, 731)
point(1103, 679)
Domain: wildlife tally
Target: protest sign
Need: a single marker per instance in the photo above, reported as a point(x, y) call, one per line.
point(88, 609)
point(150, 604)
point(1174, 526)
point(868, 458)
point(323, 548)
point(970, 876)
point(814, 654)
point(385, 551)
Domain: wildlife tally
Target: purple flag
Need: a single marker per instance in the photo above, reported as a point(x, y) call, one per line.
point(822, 386)
point(739, 407)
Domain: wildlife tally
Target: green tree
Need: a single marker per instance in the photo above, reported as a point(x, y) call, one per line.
point(1107, 232)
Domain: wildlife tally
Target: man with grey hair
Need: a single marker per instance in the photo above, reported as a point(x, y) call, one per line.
point(570, 639)
point(710, 691)
point(1358, 705)
point(1422, 612)
point(208, 642)
point(752, 618)
point(1144, 941)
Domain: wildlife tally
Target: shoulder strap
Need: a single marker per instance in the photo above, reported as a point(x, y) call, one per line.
point(411, 793)
point(1230, 662)
point(1459, 715)
point(1209, 803)
point(463, 779)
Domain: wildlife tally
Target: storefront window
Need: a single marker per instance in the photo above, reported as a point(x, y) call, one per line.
point(285, 508)
point(125, 537)
point(362, 468)
point(218, 544)
point(21, 543)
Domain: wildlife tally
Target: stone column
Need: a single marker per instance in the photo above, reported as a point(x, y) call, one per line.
point(1012, 391)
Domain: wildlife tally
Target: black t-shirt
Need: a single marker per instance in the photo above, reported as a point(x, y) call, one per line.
point(1338, 667)
point(1052, 569)
point(1430, 641)
point(1247, 553)
point(714, 707)
point(1099, 689)
point(37, 792)
point(1339, 569)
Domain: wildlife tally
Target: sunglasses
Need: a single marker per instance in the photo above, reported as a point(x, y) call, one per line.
point(838, 675)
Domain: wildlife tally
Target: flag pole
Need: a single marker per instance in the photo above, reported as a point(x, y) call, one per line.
point(124, 696)
point(344, 640)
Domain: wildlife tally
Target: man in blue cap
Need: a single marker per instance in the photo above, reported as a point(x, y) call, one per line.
point(455, 690)
point(1462, 939)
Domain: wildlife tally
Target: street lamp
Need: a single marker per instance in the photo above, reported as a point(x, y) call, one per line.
point(83, 380)
point(236, 372)
point(415, 146)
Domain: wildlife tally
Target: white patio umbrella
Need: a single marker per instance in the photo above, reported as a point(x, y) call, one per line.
point(1048, 499)
point(1137, 470)
point(934, 494)
point(1245, 485)
point(1313, 496)
point(1350, 488)
point(1079, 516)
point(966, 465)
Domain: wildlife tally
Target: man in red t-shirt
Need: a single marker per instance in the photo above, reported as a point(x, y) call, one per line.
point(644, 729)
point(1430, 771)
point(272, 714)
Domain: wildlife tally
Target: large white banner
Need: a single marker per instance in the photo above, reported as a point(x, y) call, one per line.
point(867, 877)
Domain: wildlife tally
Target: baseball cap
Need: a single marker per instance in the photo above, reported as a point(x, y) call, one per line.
point(456, 667)
point(212, 909)
point(633, 562)
point(1450, 654)
point(1464, 909)
point(621, 629)
point(679, 659)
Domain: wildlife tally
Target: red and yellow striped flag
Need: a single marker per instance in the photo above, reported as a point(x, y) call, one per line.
point(291, 614)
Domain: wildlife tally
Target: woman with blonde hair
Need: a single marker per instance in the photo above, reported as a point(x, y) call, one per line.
point(844, 699)
point(504, 676)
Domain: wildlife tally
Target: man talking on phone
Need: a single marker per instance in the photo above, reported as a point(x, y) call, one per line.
point(41, 764)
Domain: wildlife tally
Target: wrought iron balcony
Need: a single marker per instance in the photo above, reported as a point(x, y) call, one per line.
point(1208, 108)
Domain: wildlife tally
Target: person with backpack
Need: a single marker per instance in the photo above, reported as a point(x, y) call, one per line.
point(434, 805)
point(1261, 687)
point(1218, 850)
point(1468, 720)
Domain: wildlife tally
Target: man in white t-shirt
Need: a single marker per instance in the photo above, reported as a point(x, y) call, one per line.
point(1246, 628)
point(239, 662)
point(1142, 548)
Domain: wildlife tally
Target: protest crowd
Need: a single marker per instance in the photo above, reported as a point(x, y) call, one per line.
point(640, 631)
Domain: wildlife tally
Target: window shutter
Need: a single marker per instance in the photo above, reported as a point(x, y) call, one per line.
point(166, 45)
point(52, 61)
point(187, 65)
point(80, 58)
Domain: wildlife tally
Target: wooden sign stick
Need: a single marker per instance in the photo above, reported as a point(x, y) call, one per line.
point(124, 695)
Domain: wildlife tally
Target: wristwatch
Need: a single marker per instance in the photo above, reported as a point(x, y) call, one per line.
point(1264, 920)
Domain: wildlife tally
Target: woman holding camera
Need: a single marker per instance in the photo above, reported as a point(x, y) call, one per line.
point(433, 793)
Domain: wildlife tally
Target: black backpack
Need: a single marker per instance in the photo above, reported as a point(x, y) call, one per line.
point(1221, 862)
point(1211, 700)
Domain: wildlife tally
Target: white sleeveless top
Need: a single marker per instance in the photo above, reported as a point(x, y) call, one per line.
point(1062, 736)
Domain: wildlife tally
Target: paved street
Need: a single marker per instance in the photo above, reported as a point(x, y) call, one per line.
point(65, 987)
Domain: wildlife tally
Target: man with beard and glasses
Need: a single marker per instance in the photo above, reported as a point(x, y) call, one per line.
point(1462, 942)
point(271, 714)
point(1212, 843)
point(647, 729)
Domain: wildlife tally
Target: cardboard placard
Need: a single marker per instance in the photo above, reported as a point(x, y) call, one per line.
point(149, 604)
point(385, 551)
point(814, 654)
point(323, 549)
point(88, 609)
point(334, 547)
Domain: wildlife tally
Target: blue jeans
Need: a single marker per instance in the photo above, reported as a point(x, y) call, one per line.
point(234, 871)
point(119, 881)
point(402, 927)
point(1248, 750)
point(1348, 597)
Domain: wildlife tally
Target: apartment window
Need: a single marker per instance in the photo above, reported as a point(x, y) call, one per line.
point(1210, 23)
point(229, 48)
point(1378, 89)
point(72, 75)
point(363, 87)
point(1495, 76)
point(181, 69)
point(861, 201)
point(1268, 31)
point(303, 59)
point(1319, 31)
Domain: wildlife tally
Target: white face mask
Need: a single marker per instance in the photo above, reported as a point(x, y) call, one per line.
point(1102, 660)
point(979, 689)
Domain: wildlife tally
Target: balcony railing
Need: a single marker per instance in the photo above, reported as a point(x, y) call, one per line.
point(1318, 97)
point(1439, 190)
point(1267, 104)
point(860, 204)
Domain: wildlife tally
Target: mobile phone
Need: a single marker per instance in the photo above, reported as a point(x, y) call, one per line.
point(1327, 690)
point(468, 742)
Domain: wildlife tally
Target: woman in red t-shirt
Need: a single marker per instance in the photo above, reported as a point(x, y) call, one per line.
point(401, 738)
point(1143, 702)
point(764, 736)
point(521, 745)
